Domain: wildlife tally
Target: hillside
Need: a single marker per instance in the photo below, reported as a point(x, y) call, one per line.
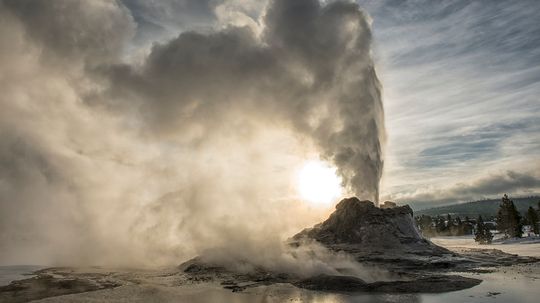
point(485, 208)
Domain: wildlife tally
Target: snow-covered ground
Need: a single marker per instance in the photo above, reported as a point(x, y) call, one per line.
point(528, 246)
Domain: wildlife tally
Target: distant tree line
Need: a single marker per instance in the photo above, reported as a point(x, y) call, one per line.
point(486, 208)
point(508, 222)
point(445, 225)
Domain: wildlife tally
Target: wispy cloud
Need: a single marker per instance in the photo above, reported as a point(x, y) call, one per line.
point(489, 186)
point(462, 90)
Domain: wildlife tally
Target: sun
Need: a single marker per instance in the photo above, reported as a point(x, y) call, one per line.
point(318, 183)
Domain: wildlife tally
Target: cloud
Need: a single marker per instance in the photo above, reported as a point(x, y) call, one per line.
point(509, 182)
point(95, 32)
point(476, 143)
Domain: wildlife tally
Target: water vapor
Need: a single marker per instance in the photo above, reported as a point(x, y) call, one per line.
point(108, 158)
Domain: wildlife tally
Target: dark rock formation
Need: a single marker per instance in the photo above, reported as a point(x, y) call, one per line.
point(361, 227)
point(51, 283)
point(429, 284)
point(414, 283)
point(382, 237)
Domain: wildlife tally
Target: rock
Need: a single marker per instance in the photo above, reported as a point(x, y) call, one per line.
point(388, 204)
point(333, 283)
point(360, 226)
point(48, 285)
point(429, 284)
point(384, 238)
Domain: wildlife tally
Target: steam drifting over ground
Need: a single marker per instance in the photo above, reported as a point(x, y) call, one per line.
point(112, 156)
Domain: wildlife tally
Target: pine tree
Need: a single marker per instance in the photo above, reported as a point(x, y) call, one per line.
point(439, 224)
point(479, 233)
point(482, 235)
point(509, 219)
point(459, 227)
point(503, 217)
point(424, 224)
point(488, 236)
point(532, 217)
point(516, 223)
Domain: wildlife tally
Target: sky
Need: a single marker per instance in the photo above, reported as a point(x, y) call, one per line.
point(461, 93)
point(144, 132)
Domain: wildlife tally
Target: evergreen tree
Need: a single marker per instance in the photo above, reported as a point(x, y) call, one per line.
point(424, 224)
point(459, 227)
point(516, 222)
point(509, 219)
point(532, 218)
point(503, 217)
point(482, 235)
point(467, 226)
point(439, 224)
point(488, 236)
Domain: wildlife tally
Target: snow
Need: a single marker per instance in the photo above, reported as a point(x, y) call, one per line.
point(528, 246)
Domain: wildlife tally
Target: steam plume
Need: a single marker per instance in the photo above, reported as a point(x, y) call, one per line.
point(311, 68)
point(110, 159)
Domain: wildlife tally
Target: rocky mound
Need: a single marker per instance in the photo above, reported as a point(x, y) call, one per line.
point(425, 283)
point(428, 284)
point(384, 237)
point(360, 226)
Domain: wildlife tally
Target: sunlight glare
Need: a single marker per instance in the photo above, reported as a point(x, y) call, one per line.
point(318, 183)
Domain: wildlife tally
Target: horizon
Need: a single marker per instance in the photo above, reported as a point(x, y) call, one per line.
point(480, 200)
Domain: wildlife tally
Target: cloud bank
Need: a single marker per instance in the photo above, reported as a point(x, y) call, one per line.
point(112, 158)
point(494, 185)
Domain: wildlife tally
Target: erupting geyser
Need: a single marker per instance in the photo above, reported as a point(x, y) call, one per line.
point(357, 231)
point(201, 126)
point(331, 45)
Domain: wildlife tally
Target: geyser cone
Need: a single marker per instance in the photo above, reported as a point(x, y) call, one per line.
point(360, 226)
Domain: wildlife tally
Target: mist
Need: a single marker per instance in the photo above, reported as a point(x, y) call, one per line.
point(189, 146)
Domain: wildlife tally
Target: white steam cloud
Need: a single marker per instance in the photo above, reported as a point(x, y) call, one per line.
point(105, 159)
